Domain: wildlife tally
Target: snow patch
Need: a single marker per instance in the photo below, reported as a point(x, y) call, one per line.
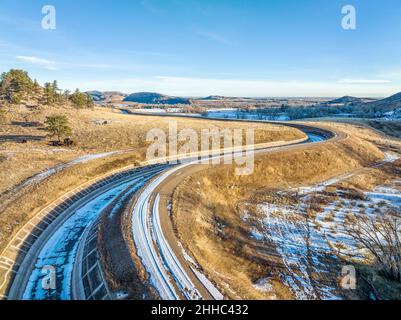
point(216, 294)
point(263, 285)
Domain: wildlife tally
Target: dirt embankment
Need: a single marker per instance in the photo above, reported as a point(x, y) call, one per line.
point(122, 268)
point(95, 131)
point(208, 211)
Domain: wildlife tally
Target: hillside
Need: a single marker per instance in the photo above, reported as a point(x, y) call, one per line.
point(345, 101)
point(96, 95)
point(155, 98)
point(215, 98)
point(107, 96)
point(281, 229)
point(387, 104)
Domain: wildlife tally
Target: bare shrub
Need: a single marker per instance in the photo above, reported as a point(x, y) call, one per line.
point(381, 236)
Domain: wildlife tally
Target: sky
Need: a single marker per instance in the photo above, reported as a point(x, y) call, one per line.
point(247, 48)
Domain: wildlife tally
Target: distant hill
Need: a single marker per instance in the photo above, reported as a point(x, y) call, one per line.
point(389, 108)
point(370, 108)
point(107, 96)
point(215, 98)
point(155, 98)
point(387, 104)
point(96, 95)
point(345, 101)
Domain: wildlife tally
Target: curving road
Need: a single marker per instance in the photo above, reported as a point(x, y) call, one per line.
point(57, 245)
point(169, 273)
point(166, 273)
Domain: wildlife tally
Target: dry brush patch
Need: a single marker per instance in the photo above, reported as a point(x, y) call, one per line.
point(207, 209)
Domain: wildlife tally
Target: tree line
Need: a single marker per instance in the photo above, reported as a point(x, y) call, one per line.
point(17, 87)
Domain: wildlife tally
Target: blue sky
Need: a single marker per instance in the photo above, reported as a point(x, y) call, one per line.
point(197, 48)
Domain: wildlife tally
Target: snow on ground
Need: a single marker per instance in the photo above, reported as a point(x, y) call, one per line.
point(187, 257)
point(391, 157)
point(158, 258)
point(256, 234)
point(153, 110)
point(60, 251)
point(322, 186)
point(300, 246)
point(45, 174)
point(263, 285)
point(216, 294)
point(122, 295)
point(123, 198)
point(305, 242)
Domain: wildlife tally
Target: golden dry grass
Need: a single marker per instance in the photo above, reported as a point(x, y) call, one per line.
point(207, 207)
point(122, 132)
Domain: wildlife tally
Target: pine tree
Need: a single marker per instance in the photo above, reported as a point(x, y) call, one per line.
point(15, 85)
point(58, 126)
point(81, 100)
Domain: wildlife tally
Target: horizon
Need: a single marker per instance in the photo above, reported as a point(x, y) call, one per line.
point(245, 97)
point(280, 49)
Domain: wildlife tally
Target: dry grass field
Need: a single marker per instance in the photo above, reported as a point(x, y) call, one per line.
point(217, 214)
point(94, 131)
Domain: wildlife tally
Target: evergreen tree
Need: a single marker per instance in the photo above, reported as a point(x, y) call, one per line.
point(81, 100)
point(15, 85)
point(58, 126)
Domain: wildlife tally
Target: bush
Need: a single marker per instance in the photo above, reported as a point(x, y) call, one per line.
point(382, 238)
point(58, 126)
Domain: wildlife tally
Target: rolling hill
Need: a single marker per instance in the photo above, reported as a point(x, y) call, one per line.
point(349, 101)
point(155, 98)
point(107, 96)
point(387, 104)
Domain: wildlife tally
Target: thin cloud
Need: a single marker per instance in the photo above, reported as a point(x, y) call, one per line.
point(213, 36)
point(47, 64)
point(53, 65)
point(364, 81)
point(183, 86)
